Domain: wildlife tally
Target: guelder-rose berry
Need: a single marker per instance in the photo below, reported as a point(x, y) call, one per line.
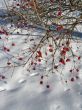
point(79, 58)
point(13, 44)
point(8, 63)
point(72, 79)
point(67, 60)
point(42, 77)
point(47, 86)
point(50, 50)
point(41, 82)
point(20, 58)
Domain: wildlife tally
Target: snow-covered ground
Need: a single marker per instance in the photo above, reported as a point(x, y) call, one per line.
point(23, 91)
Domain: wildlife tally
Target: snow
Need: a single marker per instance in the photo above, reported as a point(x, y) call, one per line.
point(30, 95)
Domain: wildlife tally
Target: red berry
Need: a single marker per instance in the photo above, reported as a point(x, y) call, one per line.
point(50, 45)
point(72, 79)
point(34, 68)
point(41, 82)
point(77, 70)
point(39, 53)
point(67, 60)
point(8, 63)
point(3, 77)
point(42, 77)
point(32, 63)
point(59, 13)
point(4, 48)
point(77, 77)
point(79, 58)
point(39, 60)
point(13, 44)
point(57, 38)
point(62, 61)
point(66, 81)
point(63, 52)
point(18, 4)
point(66, 49)
point(47, 86)
point(71, 70)
point(8, 49)
point(50, 50)
point(20, 58)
